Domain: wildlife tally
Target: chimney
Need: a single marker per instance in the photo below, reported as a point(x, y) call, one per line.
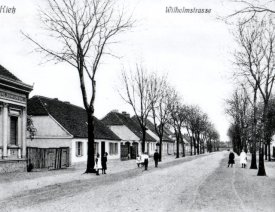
point(125, 114)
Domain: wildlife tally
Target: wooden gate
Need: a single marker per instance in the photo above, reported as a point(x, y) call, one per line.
point(51, 158)
point(134, 150)
point(124, 151)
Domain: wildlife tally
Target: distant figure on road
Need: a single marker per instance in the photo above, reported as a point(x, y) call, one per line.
point(97, 164)
point(104, 163)
point(243, 159)
point(231, 159)
point(138, 160)
point(156, 158)
point(145, 159)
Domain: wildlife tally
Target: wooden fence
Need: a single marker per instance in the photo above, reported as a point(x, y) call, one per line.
point(51, 158)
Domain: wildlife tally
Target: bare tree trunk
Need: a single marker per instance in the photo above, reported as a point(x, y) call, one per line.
point(198, 143)
point(143, 141)
point(91, 137)
point(191, 147)
point(261, 170)
point(183, 146)
point(177, 150)
point(253, 164)
point(160, 148)
point(269, 152)
point(265, 151)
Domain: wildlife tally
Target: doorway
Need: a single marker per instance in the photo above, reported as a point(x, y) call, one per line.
point(102, 148)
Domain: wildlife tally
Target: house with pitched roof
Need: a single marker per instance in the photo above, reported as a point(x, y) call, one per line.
point(167, 142)
point(61, 124)
point(13, 121)
point(130, 134)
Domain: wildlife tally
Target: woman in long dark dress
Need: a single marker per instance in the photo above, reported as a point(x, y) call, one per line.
point(231, 159)
point(104, 163)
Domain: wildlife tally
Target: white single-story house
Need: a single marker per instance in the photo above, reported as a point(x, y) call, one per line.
point(61, 124)
point(167, 142)
point(130, 133)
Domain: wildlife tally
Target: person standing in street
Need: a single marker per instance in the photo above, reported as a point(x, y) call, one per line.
point(104, 163)
point(145, 158)
point(97, 164)
point(231, 160)
point(243, 159)
point(156, 158)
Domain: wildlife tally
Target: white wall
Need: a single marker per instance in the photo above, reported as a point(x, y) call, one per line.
point(107, 149)
point(152, 147)
point(71, 143)
point(83, 158)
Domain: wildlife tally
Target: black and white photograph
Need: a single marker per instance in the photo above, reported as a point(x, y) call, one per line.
point(137, 105)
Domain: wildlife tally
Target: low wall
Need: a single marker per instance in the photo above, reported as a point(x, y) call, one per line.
point(13, 166)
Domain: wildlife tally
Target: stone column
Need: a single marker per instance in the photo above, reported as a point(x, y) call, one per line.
point(23, 130)
point(5, 130)
point(19, 134)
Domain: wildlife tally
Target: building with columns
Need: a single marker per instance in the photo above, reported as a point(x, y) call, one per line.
point(13, 120)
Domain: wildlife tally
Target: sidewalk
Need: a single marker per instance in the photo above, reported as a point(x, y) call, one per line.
point(13, 183)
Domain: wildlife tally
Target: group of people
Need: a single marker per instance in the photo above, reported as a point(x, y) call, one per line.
point(101, 163)
point(243, 159)
point(143, 159)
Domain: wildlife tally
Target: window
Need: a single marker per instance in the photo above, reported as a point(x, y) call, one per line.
point(113, 148)
point(13, 130)
point(79, 149)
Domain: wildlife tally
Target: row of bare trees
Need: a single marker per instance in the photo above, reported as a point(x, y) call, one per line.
point(250, 105)
point(151, 97)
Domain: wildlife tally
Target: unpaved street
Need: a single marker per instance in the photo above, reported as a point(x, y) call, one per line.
point(197, 184)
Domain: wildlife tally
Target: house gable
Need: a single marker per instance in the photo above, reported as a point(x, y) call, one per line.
point(71, 118)
point(124, 133)
point(48, 127)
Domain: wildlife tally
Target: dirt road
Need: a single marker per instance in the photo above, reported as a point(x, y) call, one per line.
point(195, 184)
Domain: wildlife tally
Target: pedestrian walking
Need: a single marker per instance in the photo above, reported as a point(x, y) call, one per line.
point(97, 164)
point(231, 160)
point(243, 159)
point(156, 158)
point(138, 160)
point(145, 159)
point(104, 163)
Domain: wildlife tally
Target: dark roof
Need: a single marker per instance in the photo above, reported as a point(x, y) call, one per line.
point(115, 118)
point(71, 117)
point(7, 74)
point(151, 126)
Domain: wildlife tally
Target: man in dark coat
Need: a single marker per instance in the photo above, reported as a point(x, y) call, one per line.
point(231, 159)
point(156, 158)
point(104, 163)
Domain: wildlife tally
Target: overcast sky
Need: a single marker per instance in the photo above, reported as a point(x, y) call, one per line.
point(194, 49)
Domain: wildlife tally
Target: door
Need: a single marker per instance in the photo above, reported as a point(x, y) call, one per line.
point(124, 151)
point(134, 150)
point(51, 159)
point(102, 148)
point(64, 157)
